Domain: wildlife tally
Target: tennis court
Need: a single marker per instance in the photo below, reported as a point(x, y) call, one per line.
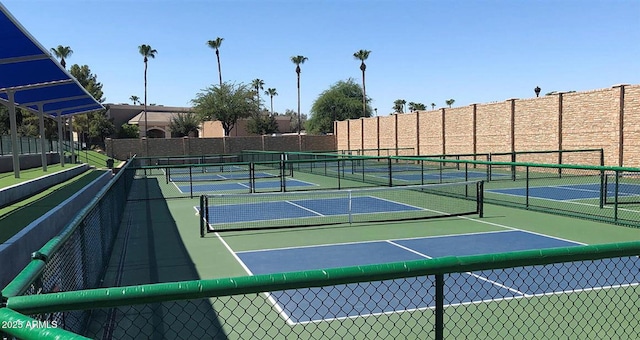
point(572, 192)
point(213, 187)
point(471, 287)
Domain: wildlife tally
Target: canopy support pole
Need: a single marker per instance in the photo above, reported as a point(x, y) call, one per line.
point(43, 154)
point(60, 149)
point(14, 133)
point(72, 159)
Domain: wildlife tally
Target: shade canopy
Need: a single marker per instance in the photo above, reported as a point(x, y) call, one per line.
point(35, 77)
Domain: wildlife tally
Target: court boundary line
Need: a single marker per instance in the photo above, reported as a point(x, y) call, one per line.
point(270, 298)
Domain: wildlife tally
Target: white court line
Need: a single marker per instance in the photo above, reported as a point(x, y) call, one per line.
point(306, 209)
point(271, 299)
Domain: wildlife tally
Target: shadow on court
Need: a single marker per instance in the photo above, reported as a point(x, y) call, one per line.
point(149, 249)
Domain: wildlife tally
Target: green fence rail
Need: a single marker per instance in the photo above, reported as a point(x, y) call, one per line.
point(76, 258)
point(571, 293)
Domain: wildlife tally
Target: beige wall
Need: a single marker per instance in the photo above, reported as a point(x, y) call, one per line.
point(214, 128)
point(566, 121)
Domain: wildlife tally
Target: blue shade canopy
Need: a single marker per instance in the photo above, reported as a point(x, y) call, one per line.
point(35, 77)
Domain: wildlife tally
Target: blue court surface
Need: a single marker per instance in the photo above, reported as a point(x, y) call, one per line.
point(283, 210)
point(571, 192)
point(205, 176)
point(212, 187)
point(353, 300)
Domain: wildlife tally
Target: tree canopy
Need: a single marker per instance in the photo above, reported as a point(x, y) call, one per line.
point(96, 124)
point(184, 124)
point(262, 123)
point(343, 100)
point(226, 103)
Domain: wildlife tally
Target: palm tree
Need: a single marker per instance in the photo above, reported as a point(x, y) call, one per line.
point(271, 92)
point(450, 102)
point(62, 53)
point(135, 99)
point(433, 106)
point(298, 60)
point(398, 105)
point(362, 55)
point(258, 84)
point(412, 106)
point(147, 52)
point(215, 44)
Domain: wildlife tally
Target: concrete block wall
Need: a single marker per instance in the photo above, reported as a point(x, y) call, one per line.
point(430, 138)
point(604, 118)
point(458, 124)
point(407, 133)
point(631, 126)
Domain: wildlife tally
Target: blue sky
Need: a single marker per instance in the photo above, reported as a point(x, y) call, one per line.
point(422, 51)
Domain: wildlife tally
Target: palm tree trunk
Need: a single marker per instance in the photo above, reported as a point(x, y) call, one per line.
point(145, 99)
point(364, 97)
point(219, 71)
point(272, 105)
point(299, 120)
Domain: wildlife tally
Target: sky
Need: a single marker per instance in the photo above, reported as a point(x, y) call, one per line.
point(472, 51)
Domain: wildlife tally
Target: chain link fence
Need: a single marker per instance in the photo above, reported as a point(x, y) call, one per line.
point(569, 293)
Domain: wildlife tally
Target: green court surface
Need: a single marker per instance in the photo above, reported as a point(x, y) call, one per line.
point(159, 241)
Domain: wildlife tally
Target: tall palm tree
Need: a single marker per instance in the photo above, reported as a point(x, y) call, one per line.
point(147, 52)
point(450, 102)
point(271, 92)
point(362, 55)
point(62, 53)
point(258, 84)
point(135, 99)
point(215, 44)
point(299, 60)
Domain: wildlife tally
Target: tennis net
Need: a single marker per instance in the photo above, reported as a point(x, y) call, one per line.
point(232, 212)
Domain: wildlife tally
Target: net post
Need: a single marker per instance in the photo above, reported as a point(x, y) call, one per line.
point(252, 178)
point(480, 198)
point(526, 195)
point(513, 167)
point(439, 311)
point(603, 188)
point(390, 171)
point(349, 208)
point(489, 167)
point(339, 173)
point(167, 174)
point(201, 213)
point(422, 171)
point(283, 182)
point(190, 184)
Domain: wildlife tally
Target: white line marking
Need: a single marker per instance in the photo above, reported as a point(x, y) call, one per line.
point(303, 208)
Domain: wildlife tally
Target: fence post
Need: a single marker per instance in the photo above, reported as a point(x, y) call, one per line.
point(439, 326)
point(527, 187)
